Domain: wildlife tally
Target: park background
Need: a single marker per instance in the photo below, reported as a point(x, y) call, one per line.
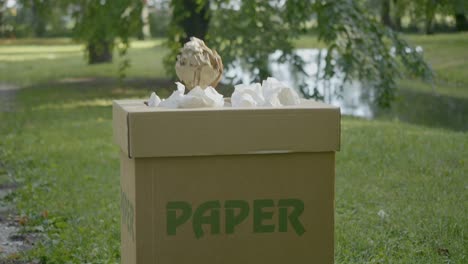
point(397, 68)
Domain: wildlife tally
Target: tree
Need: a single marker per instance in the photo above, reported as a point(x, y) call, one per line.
point(39, 12)
point(430, 7)
point(459, 7)
point(193, 23)
point(358, 45)
point(399, 7)
point(190, 18)
point(389, 11)
point(385, 13)
point(426, 10)
point(101, 23)
point(2, 10)
point(144, 31)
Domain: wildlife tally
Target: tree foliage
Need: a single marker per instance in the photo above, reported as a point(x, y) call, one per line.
point(365, 49)
point(422, 12)
point(190, 18)
point(101, 23)
point(357, 44)
point(255, 29)
point(2, 11)
point(40, 14)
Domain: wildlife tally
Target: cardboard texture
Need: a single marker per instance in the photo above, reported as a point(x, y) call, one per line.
point(252, 185)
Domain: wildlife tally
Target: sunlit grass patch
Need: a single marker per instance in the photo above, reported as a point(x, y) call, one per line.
point(29, 64)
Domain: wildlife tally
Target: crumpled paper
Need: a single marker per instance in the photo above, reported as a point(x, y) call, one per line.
point(198, 65)
point(154, 100)
point(174, 100)
point(196, 98)
point(248, 95)
point(271, 93)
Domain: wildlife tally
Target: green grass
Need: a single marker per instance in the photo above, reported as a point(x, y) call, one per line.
point(61, 152)
point(447, 54)
point(59, 147)
point(37, 41)
point(28, 61)
point(27, 64)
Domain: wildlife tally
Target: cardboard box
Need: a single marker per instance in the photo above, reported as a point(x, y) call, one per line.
point(227, 186)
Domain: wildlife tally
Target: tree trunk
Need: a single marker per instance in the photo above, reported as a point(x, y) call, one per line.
point(385, 13)
point(428, 26)
point(144, 22)
point(397, 16)
point(40, 28)
point(461, 23)
point(100, 52)
point(431, 7)
point(194, 23)
point(39, 24)
point(459, 7)
point(1, 17)
point(397, 22)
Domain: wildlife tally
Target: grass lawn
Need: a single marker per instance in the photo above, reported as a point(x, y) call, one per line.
point(447, 54)
point(27, 64)
point(401, 190)
point(59, 148)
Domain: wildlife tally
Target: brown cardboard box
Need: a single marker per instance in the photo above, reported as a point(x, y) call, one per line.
point(227, 186)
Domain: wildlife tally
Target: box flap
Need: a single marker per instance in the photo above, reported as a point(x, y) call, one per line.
point(142, 131)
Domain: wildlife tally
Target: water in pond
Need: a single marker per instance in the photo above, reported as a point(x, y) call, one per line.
point(355, 99)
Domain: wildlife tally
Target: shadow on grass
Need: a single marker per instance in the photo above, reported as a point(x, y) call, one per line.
point(429, 109)
point(82, 92)
point(415, 107)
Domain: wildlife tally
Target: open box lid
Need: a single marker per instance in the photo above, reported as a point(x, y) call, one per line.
point(143, 131)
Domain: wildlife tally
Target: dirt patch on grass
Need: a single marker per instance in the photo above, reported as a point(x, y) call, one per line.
point(12, 240)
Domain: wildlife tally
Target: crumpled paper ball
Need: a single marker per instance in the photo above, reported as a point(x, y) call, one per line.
point(271, 93)
point(198, 65)
point(196, 98)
